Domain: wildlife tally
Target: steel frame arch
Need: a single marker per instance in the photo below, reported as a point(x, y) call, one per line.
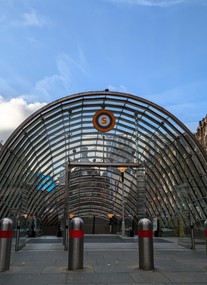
point(62, 130)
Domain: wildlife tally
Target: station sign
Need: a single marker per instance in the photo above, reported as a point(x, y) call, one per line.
point(104, 120)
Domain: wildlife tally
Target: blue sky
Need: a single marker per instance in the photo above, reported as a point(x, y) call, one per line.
point(155, 49)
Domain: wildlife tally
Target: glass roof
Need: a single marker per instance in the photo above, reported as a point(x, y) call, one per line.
point(56, 162)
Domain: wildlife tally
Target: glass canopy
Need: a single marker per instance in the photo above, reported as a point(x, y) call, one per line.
point(57, 163)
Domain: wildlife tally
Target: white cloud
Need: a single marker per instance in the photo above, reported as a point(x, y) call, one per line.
point(13, 112)
point(55, 85)
point(157, 3)
point(59, 83)
point(33, 19)
point(64, 61)
point(28, 19)
point(47, 86)
point(121, 88)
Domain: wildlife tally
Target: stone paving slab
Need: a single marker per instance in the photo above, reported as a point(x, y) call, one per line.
point(106, 264)
point(149, 276)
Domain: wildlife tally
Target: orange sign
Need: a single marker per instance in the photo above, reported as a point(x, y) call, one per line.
point(104, 120)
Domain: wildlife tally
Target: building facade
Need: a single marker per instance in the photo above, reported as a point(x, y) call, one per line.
point(201, 133)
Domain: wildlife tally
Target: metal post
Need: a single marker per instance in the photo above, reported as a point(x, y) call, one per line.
point(76, 244)
point(205, 233)
point(123, 206)
point(66, 205)
point(6, 235)
point(122, 170)
point(192, 233)
point(66, 235)
point(17, 236)
point(146, 254)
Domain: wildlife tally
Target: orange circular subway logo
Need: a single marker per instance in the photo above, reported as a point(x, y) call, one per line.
point(104, 120)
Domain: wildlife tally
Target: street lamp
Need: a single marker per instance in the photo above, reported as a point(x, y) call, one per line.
point(122, 170)
point(110, 224)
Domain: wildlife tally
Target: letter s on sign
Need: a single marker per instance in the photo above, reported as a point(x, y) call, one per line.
point(104, 120)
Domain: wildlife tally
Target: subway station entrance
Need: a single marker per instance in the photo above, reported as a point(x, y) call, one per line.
point(107, 157)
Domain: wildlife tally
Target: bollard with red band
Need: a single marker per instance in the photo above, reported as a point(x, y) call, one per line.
point(76, 234)
point(76, 244)
point(6, 235)
point(146, 254)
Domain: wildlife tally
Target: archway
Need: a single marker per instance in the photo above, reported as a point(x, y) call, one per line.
point(171, 179)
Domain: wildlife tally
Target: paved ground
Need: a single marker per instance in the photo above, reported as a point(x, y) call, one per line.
point(106, 263)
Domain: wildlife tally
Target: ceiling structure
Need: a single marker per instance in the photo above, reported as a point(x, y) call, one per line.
point(57, 162)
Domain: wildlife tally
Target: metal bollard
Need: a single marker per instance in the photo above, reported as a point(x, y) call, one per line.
point(6, 235)
point(146, 254)
point(205, 233)
point(76, 244)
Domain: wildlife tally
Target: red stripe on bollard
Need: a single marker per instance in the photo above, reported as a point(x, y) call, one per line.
point(76, 234)
point(145, 233)
point(6, 234)
point(205, 233)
